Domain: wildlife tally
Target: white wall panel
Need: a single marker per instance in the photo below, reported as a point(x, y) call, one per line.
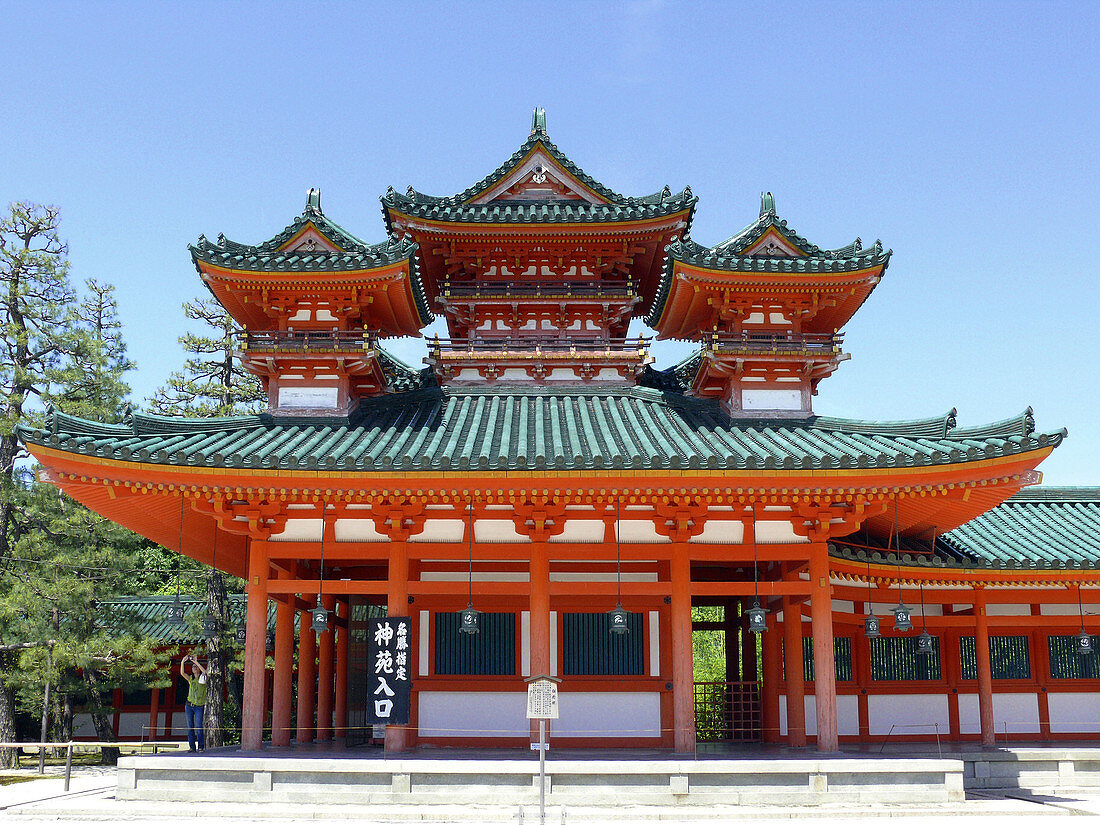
point(906, 712)
point(1074, 712)
point(475, 715)
point(1019, 711)
point(608, 714)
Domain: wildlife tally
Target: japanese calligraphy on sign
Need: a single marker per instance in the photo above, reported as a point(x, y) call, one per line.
point(389, 685)
point(542, 699)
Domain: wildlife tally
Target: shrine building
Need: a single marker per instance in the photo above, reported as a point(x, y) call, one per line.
point(542, 471)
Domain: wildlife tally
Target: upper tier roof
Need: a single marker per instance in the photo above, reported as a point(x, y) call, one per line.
point(768, 249)
point(335, 257)
point(581, 199)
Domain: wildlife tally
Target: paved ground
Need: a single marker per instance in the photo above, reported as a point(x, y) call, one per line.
point(91, 799)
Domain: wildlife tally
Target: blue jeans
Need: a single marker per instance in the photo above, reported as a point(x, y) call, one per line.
point(194, 725)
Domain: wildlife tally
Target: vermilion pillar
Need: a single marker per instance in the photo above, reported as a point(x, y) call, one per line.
point(773, 675)
point(341, 703)
point(255, 652)
point(796, 683)
point(326, 646)
point(540, 617)
point(985, 669)
point(397, 603)
point(284, 673)
point(821, 625)
point(307, 676)
point(683, 684)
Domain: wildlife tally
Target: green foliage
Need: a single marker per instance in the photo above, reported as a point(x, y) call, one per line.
point(708, 647)
point(212, 381)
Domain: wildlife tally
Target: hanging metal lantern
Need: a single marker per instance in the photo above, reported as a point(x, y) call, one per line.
point(903, 620)
point(241, 634)
point(210, 625)
point(320, 619)
point(1084, 643)
point(469, 620)
point(758, 622)
point(870, 626)
point(176, 613)
point(620, 620)
point(924, 644)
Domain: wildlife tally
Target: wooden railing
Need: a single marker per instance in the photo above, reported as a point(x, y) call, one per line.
point(488, 346)
point(306, 341)
point(536, 289)
point(778, 342)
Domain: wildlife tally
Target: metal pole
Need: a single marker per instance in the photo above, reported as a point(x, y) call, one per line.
point(68, 764)
point(542, 772)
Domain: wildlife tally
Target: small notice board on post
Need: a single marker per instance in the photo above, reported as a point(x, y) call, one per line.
point(542, 697)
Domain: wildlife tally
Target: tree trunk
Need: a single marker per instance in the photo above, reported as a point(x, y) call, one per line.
point(103, 730)
point(7, 712)
point(218, 604)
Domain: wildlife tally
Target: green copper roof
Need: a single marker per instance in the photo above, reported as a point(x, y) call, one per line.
point(542, 211)
point(1038, 528)
point(353, 255)
point(729, 256)
point(458, 207)
point(147, 616)
point(433, 430)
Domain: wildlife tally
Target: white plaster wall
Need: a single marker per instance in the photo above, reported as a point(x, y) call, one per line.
point(608, 714)
point(907, 709)
point(777, 532)
point(300, 529)
point(720, 532)
point(1008, 610)
point(581, 530)
point(442, 529)
point(133, 724)
point(82, 725)
point(1020, 711)
point(357, 529)
point(640, 532)
point(475, 715)
point(771, 399)
point(1068, 609)
point(1074, 712)
point(847, 715)
point(498, 530)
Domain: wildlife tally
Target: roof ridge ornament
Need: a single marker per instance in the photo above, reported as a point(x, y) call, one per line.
point(767, 204)
point(538, 121)
point(313, 201)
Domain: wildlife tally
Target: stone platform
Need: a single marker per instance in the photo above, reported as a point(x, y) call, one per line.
point(235, 777)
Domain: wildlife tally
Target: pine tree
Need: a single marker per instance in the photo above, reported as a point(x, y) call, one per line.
point(35, 335)
point(92, 375)
point(212, 383)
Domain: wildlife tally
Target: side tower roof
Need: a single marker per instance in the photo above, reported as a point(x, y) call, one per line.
point(315, 254)
point(699, 283)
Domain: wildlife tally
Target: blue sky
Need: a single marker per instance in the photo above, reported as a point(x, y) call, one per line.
point(962, 135)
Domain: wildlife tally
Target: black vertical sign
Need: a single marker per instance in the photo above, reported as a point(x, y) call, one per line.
point(389, 684)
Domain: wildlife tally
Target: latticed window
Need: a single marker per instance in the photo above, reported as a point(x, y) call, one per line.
point(842, 658)
point(1009, 657)
point(1067, 663)
point(589, 648)
point(895, 658)
point(490, 652)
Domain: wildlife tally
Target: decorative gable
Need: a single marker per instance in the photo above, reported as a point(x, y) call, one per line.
point(538, 176)
point(774, 243)
point(309, 239)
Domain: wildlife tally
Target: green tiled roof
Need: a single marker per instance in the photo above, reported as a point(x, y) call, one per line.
point(434, 429)
point(729, 256)
point(147, 616)
point(1038, 528)
point(541, 211)
point(354, 254)
point(458, 207)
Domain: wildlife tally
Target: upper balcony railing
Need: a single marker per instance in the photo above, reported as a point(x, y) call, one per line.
point(318, 341)
point(623, 290)
point(545, 346)
point(774, 342)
